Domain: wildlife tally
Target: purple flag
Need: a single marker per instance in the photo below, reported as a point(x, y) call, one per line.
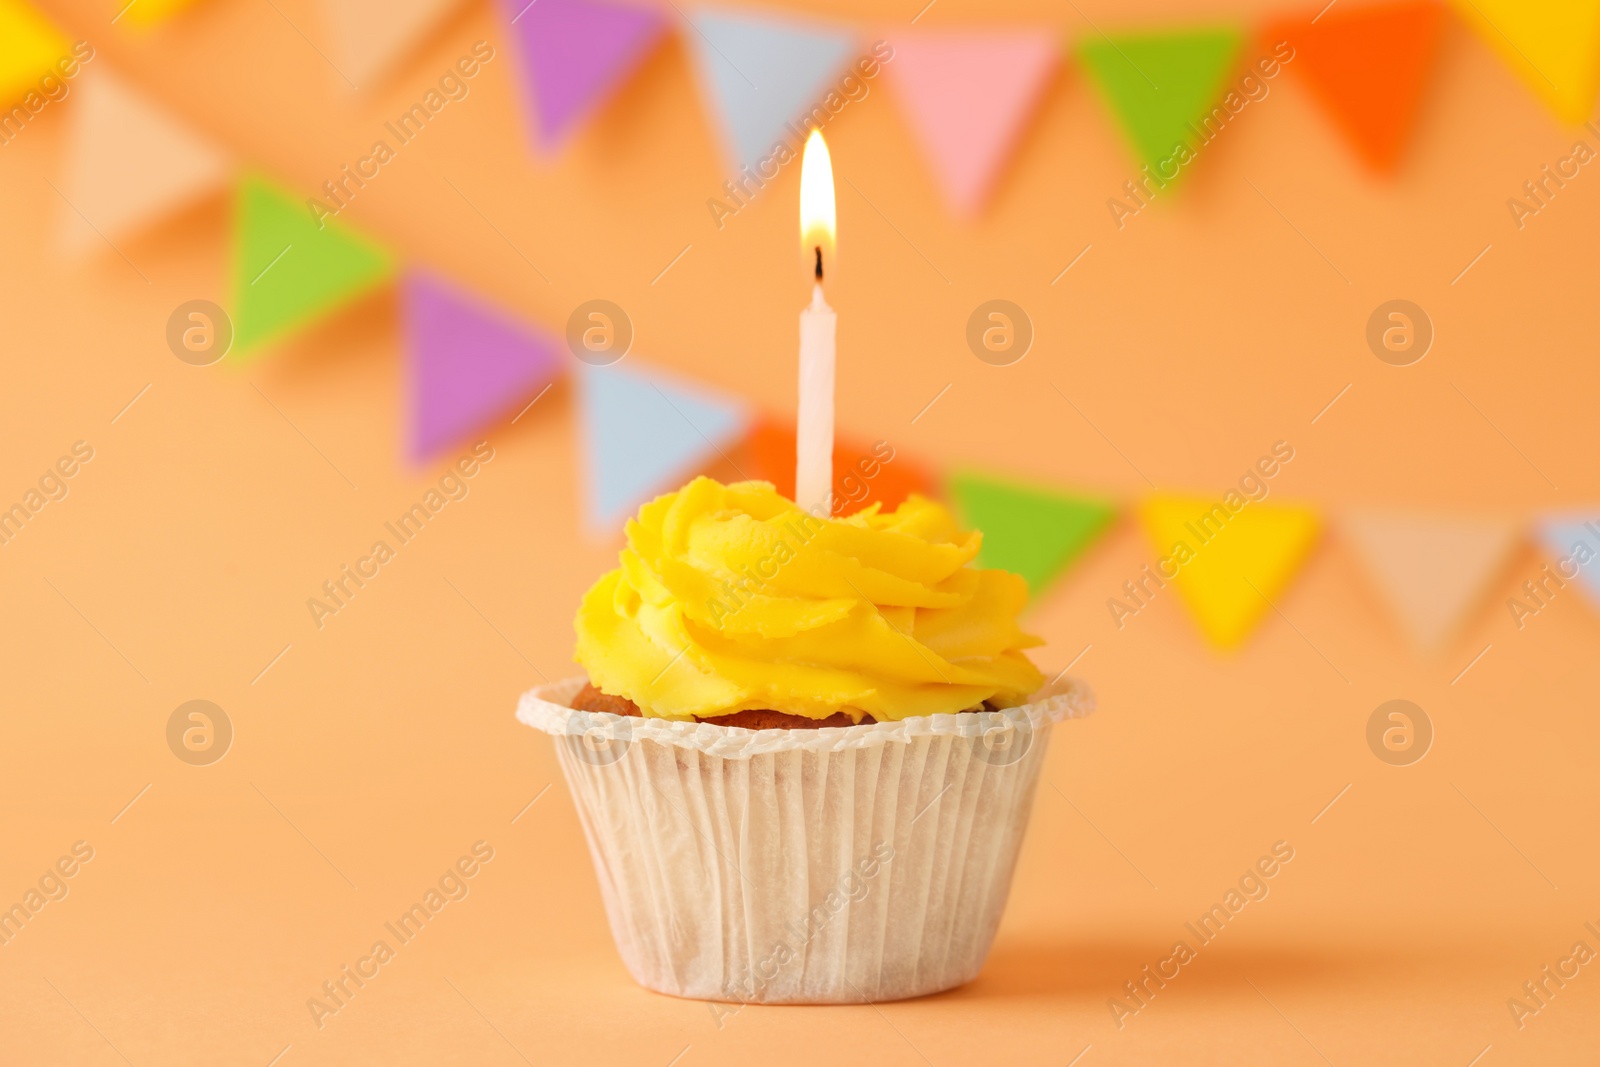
point(468, 364)
point(574, 53)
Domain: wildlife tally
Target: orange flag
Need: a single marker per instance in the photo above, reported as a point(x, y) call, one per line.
point(863, 473)
point(1367, 67)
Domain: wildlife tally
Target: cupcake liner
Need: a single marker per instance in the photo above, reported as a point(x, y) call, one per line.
point(840, 865)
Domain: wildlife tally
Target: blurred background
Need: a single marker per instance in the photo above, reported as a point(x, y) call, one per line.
point(1102, 267)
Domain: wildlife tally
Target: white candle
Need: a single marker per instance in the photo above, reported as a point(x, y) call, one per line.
point(813, 475)
point(813, 482)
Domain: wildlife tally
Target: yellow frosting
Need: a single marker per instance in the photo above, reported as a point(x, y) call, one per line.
point(732, 597)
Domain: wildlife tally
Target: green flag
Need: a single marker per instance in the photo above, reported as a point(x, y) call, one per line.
point(1032, 531)
point(1160, 83)
point(288, 272)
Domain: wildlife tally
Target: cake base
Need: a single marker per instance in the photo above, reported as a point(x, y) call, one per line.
point(591, 699)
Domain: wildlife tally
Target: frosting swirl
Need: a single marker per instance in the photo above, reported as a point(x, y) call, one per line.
point(732, 597)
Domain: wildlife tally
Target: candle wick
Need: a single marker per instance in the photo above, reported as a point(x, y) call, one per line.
point(819, 262)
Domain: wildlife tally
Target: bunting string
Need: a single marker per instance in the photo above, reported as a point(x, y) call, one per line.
point(968, 98)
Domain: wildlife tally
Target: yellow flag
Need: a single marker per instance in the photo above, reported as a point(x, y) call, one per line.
point(151, 12)
point(1553, 44)
point(29, 47)
point(1230, 565)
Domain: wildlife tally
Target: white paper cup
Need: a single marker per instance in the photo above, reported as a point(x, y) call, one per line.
point(833, 866)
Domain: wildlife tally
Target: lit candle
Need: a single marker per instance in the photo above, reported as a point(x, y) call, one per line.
point(813, 480)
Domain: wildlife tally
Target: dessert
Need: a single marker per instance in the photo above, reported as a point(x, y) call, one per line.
point(805, 749)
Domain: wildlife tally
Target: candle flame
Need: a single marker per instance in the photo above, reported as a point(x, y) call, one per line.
point(818, 234)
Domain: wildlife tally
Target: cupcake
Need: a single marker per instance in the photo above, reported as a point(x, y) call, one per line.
point(806, 748)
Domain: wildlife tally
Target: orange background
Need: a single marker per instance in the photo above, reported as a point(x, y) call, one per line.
point(378, 749)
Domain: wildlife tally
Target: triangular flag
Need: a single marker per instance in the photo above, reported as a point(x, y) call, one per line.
point(1367, 67)
point(1562, 538)
point(1553, 44)
point(764, 72)
point(29, 46)
point(370, 36)
point(1431, 569)
point(1230, 566)
point(575, 54)
point(1162, 85)
point(150, 12)
point(1031, 531)
point(863, 473)
point(468, 363)
point(129, 163)
point(967, 97)
point(286, 271)
point(645, 433)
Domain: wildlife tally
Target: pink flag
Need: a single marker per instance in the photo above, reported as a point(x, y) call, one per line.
point(967, 97)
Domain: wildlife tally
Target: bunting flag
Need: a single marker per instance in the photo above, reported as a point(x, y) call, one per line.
point(129, 163)
point(1230, 565)
point(1162, 85)
point(762, 73)
point(151, 12)
point(1554, 45)
point(1032, 531)
point(1574, 543)
point(369, 36)
point(29, 46)
point(575, 54)
point(645, 433)
point(864, 473)
point(1367, 67)
point(287, 272)
point(968, 97)
point(468, 364)
point(1430, 569)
